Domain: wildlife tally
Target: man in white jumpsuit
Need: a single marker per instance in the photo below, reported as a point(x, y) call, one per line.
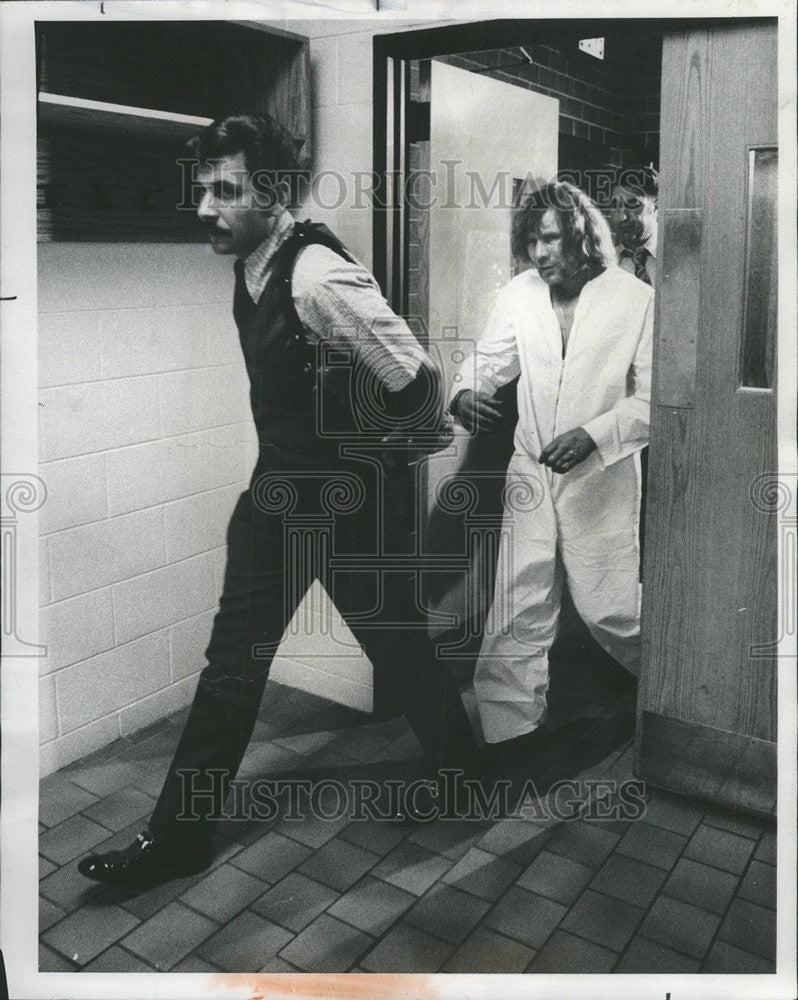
point(578, 330)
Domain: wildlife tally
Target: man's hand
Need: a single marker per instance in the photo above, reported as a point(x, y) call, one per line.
point(567, 450)
point(477, 411)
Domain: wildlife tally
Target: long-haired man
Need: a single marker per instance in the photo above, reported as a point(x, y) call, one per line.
point(578, 330)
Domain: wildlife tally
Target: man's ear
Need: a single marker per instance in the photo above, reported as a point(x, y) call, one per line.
point(282, 192)
point(270, 190)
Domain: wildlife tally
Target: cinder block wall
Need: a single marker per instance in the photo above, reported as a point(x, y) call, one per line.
point(145, 442)
point(341, 82)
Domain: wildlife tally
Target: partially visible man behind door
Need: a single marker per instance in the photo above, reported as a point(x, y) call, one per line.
point(633, 218)
point(296, 289)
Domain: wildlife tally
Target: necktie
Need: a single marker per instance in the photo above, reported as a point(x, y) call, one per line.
point(243, 306)
point(639, 258)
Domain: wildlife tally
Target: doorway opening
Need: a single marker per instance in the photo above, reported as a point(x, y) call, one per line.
point(467, 121)
point(705, 90)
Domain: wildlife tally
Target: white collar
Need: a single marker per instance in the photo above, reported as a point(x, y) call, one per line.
point(258, 263)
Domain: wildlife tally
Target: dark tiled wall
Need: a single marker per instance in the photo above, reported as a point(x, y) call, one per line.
point(610, 107)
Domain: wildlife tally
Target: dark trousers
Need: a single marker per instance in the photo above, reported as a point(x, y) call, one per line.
point(287, 530)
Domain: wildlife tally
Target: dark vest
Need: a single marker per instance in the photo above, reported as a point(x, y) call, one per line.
point(283, 367)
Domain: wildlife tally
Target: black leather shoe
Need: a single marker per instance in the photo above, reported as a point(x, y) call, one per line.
point(145, 862)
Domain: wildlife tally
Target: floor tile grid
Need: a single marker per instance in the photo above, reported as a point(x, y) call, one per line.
point(62, 954)
point(150, 916)
point(662, 894)
point(376, 939)
point(194, 910)
point(51, 960)
point(98, 895)
point(108, 756)
point(120, 943)
point(553, 930)
point(181, 892)
point(641, 921)
point(575, 865)
point(481, 923)
point(193, 953)
point(645, 911)
point(380, 937)
point(615, 757)
point(721, 924)
point(339, 917)
point(439, 882)
point(131, 956)
point(575, 933)
point(650, 906)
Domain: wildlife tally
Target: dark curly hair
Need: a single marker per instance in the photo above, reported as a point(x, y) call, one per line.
point(586, 233)
point(266, 145)
point(642, 180)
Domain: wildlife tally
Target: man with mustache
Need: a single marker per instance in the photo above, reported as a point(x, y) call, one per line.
point(331, 459)
point(578, 331)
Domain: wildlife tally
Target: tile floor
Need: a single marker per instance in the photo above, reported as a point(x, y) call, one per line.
point(686, 888)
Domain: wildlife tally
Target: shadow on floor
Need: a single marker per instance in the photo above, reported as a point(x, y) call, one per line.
point(655, 883)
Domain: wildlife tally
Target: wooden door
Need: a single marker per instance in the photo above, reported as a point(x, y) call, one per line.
point(707, 707)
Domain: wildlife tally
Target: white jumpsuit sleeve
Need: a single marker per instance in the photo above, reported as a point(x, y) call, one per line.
point(494, 360)
point(623, 429)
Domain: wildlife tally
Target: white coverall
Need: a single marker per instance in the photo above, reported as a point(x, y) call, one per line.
point(584, 522)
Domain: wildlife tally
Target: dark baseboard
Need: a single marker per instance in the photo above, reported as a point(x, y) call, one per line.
point(725, 768)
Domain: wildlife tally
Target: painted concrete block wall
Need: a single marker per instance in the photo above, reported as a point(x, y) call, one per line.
point(145, 442)
point(341, 98)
